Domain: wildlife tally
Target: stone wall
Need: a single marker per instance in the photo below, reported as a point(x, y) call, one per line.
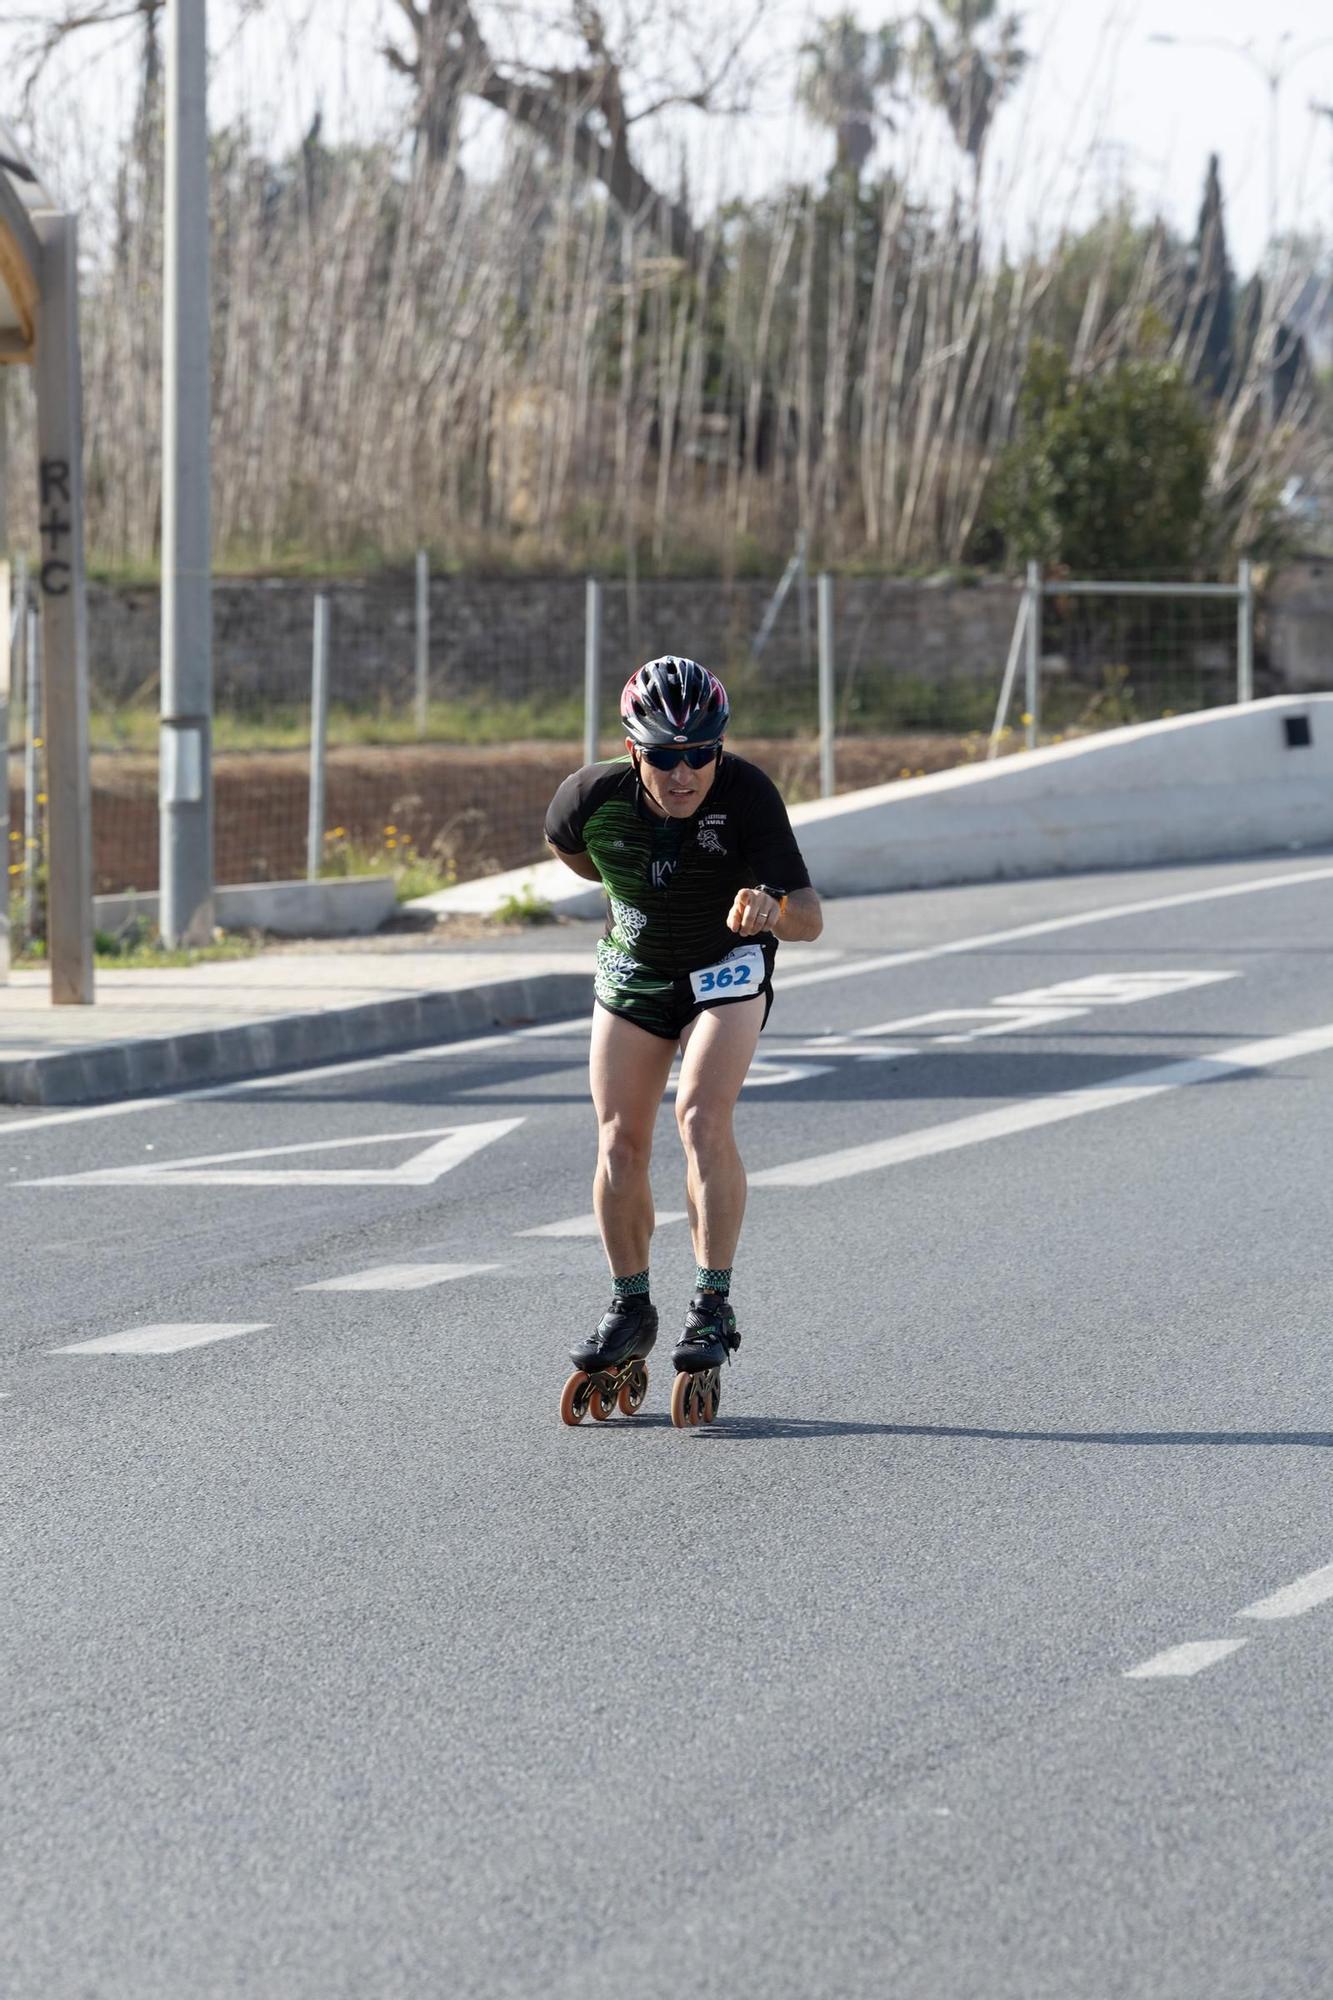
point(1299, 619)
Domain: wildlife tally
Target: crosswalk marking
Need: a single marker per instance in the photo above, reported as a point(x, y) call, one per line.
point(169, 1338)
point(397, 1277)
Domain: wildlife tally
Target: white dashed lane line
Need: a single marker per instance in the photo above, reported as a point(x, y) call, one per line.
point(1298, 1597)
point(165, 1339)
point(1179, 1662)
point(1292, 1601)
point(398, 1277)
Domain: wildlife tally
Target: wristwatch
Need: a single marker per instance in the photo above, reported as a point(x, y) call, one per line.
point(779, 897)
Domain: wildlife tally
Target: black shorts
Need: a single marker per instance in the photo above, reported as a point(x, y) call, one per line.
point(663, 1004)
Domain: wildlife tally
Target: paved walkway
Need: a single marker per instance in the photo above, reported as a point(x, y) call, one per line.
point(152, 1030)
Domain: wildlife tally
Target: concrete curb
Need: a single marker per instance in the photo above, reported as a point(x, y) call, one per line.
point(190, 1060)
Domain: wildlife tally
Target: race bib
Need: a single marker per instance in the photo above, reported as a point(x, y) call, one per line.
point(741, 971)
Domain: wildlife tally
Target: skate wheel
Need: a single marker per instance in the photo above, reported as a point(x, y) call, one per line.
point(681, 1400)
point(574, 1399)
point(708, 1401)
point(600, 1402)
point(632, 1393)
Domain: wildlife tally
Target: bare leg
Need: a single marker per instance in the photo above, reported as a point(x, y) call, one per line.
point(628, 1069)
point(717, 1049)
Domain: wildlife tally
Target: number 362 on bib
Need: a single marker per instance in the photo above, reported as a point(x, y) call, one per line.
point(741, 971)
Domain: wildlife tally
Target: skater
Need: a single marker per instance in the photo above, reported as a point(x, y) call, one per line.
point(703, 879)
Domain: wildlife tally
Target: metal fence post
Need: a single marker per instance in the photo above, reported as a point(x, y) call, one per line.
point(826, 670)
point(1245, 632)
point(1010, 674)
point(592, 669)
point(423, 643)
point(1032, 682)
point(319, 724)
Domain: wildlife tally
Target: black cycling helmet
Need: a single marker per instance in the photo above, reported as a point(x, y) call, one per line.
point(673, 701)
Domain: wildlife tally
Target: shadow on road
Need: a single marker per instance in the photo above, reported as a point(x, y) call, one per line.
point(738, 1429)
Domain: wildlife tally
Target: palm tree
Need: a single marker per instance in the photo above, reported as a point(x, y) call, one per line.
point(969, 66)
point(845, 74)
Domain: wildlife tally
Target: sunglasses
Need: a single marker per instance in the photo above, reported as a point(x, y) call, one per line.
point(698, 758)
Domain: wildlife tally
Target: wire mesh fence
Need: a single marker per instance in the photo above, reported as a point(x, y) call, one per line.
point(451, 752)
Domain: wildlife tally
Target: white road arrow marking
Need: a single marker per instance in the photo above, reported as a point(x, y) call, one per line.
point(453, 1145)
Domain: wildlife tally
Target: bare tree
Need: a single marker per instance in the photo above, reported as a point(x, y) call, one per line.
point(588, 107)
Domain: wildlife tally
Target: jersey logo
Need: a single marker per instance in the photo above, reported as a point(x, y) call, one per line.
point(710, 841)
point(626, 919)
point(662, 872)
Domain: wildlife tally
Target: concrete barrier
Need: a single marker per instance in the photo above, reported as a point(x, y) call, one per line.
point(1225, 781)
point(1222, 782)
point(337, 906)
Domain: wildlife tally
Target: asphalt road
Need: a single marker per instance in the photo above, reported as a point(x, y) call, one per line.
point(334, 1665)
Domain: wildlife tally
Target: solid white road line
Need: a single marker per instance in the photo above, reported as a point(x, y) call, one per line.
point(1177, 1662)
point(1298, 1597)
point(398, 1277)
point(168, 1339)
point(318, 1073)
point(1050, 925)
point(1026, 1117)
point(586, 1225)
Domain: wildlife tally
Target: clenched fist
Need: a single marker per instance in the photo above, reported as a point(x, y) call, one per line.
point(753, 911)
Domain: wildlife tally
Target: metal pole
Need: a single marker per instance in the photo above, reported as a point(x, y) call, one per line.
point(1245, 632)
point(319, 729)
point(423, 641)
point(824, 593)
point(8, 626)
point(1032, 680)
point(592, 669)
point(23, 617)
point(32, 723)
point(186, 809)
point(64, 723)
point(1010, 675)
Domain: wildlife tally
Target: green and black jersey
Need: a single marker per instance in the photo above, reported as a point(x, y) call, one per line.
point(670, 883)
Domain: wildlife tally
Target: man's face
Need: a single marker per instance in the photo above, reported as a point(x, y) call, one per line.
point(678, 792)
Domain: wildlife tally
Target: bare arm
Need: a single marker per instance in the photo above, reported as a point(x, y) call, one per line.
point(582, 864)
point(802, 920)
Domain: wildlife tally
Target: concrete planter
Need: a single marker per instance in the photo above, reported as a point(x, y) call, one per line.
point(346, 906)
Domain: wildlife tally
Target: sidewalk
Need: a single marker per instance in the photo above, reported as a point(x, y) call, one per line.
point(185, 1027)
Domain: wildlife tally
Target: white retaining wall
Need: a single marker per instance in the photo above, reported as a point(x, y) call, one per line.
point(1221, 782)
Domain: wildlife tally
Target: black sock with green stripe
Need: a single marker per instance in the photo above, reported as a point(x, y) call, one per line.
point(633, 1287)
point(712, 1278)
